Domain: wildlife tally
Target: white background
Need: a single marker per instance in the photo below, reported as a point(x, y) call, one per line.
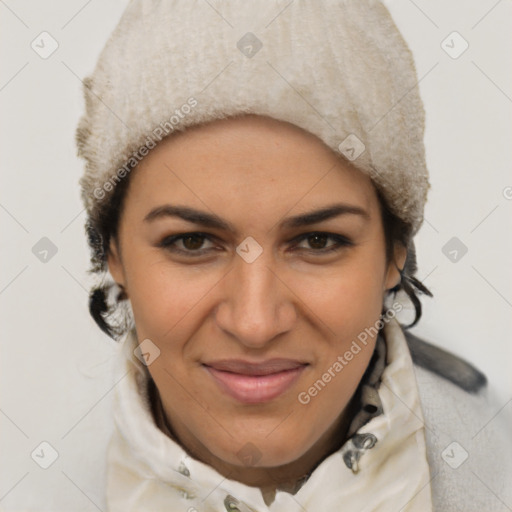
point(56, 375)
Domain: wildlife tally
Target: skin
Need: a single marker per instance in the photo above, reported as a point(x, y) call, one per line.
point(294, 301)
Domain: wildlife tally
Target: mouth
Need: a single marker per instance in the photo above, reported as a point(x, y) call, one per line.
point(253, 383)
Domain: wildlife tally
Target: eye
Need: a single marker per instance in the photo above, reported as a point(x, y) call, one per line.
point(191, 244)
point(318, 240)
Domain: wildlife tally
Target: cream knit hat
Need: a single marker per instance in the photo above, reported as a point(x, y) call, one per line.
point(337, 68)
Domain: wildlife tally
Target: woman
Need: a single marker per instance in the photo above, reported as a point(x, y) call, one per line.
point(255, 177)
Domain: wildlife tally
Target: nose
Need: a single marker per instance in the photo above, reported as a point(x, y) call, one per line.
point(256, 305)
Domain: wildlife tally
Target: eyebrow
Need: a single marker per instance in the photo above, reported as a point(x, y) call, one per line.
point(214, 221)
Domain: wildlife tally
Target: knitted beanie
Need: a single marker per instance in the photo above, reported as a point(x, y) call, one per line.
point(339, 69)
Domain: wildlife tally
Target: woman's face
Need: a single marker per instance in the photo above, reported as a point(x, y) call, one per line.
point(251, 308)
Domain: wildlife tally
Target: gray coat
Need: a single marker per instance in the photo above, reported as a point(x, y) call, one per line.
point(468, 433)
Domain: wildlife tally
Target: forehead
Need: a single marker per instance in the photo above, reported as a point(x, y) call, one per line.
point(248, 162)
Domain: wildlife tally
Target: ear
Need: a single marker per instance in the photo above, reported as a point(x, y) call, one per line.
point(115, 264)
point(395, 266)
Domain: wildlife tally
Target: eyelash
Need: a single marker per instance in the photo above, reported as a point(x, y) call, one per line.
point(340, 242)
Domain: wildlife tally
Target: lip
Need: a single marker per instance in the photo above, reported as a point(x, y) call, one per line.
point(253, 383)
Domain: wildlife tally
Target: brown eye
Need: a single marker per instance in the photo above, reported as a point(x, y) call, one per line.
point(193, 242)
point(317, 241)
point(190, 244)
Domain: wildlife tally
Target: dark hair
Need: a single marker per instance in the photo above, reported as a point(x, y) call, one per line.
point(112, 314)
point(398, 231)
point(109, 315)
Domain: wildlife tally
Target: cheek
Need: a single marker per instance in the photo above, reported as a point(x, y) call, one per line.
point(348, 298)
point(166, 298)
